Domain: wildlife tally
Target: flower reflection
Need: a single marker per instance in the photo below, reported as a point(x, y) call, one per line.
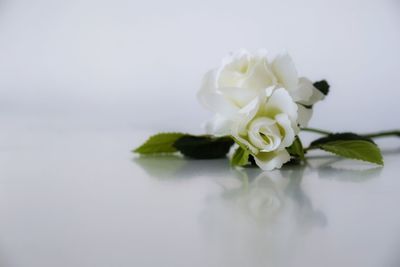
point(259, 198)
point(266, 197)
point(254, 218)
point(263, 214)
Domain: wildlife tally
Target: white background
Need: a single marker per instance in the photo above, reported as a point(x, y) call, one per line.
point(138, 64)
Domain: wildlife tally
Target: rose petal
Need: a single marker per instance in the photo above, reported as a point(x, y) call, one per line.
point(268, 128)
point(289, 133)
point(281, 102)
point(240, 97)
point(218, 126)
point(315, 95)
point(234, 69)
point(260, 77)
point(237, 131)
point(244, 116)
point(304, 115)
point(284, 69)
point(303, 92)
point(271, 160)
point(213, 100)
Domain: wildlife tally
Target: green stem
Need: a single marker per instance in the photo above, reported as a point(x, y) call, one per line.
point(314, 130)
point(306, 149)
point(383, 134)
point(370, 135)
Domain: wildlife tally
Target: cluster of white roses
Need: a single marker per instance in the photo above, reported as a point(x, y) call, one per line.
point(260, 106)
point(261, 103)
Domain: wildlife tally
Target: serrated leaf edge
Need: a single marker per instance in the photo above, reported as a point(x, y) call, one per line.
point(381, 163)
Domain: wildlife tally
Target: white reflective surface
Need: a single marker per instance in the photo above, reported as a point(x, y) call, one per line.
point(80, 198)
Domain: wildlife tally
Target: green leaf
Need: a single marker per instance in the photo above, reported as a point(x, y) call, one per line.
point(204, 147)
point(355, 149)
point(322, 86)
point(296, 149)
point(240, 157)
point(159, 143)
point(351, 146)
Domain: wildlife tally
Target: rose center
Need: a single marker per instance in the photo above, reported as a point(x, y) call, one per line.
point(264, 134)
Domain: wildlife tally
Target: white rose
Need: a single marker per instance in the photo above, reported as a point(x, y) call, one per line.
point(266, 126)
point(242, 76)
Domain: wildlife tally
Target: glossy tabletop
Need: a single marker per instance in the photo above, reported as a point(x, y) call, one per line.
point(81, 198)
